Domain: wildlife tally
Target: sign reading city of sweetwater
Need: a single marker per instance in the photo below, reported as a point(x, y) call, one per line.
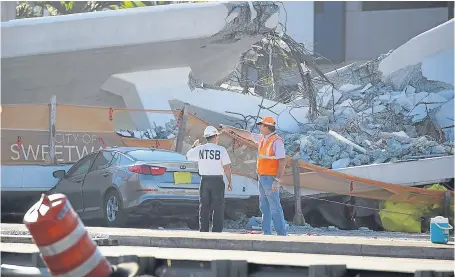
point(33, 146)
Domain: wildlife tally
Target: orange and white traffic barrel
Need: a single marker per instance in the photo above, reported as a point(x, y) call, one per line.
point(62, 239)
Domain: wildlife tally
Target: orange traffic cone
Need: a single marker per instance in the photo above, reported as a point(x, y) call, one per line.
point(63, 241)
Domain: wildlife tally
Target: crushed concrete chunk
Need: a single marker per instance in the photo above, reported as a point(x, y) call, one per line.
point(375, 109)
point(444, 118)
point(409, 90)
point(396, 108)
point(322, 121)
point(327, 95)
point(341, 163)
point(439, 149)
point(344, 114)
point(367, 87)
point(404, 101)
point(394, 145)
point(382, 115)
point(419, 113)
point(349, 88)
point(347, 103)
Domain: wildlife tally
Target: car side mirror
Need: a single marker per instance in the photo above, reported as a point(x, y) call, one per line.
point(59, 174)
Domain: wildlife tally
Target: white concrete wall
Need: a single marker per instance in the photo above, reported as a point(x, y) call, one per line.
point(300, 21)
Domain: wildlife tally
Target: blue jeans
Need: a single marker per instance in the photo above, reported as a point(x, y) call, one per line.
point(270, 206)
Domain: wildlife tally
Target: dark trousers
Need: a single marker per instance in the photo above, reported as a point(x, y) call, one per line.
point(211, 199)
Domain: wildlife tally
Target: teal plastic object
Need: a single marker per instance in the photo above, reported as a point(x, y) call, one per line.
point(439, 230)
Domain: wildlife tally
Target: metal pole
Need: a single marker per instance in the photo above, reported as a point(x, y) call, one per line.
point(298, 216)
point(446, 206)
point(52, 119)
point(181, 132)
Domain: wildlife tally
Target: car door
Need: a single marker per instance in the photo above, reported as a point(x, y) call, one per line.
point(71, 184)
point(121, 177)
point(96, 183)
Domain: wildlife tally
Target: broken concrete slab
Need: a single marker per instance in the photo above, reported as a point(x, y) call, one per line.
point(327, 95)
point(341, 163)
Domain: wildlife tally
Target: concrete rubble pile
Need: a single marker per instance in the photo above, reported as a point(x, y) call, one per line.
point(368, 120)
point(168, 131)
point(366, 116)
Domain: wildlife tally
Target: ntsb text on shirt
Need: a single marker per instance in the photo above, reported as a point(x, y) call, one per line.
point(210, 157)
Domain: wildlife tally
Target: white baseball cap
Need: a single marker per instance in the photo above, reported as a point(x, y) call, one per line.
point(210, 131)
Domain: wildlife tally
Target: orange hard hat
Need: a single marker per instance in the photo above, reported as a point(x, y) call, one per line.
point(268, 120)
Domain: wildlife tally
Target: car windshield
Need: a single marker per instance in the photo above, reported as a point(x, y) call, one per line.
point(150, 155)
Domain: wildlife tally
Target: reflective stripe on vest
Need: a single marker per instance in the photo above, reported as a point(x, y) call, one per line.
point(269, 148)
point(267, 153)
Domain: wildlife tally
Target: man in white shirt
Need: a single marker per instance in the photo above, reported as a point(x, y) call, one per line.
point(213, 161)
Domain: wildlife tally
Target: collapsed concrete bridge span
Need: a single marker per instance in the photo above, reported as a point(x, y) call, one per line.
point(72, 56)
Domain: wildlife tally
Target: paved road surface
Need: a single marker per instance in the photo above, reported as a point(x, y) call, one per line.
point(352, 262)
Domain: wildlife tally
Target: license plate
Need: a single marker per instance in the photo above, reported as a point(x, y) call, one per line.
point(181, 178)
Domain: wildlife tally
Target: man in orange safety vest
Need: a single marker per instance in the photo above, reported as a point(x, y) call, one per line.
point(270, 168)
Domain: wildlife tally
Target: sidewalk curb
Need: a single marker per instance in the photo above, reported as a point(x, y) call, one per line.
point(28, 239)
point(396, 251)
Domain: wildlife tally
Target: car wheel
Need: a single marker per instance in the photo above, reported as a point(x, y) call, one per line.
point(114, 215)
point(193, 224)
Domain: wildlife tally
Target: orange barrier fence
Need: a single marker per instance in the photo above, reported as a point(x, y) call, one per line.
point(81, 130)
point(331, 181)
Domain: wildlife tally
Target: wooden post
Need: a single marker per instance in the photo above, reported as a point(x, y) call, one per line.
point(52, 118)
point(298, 216)
point(181, 132)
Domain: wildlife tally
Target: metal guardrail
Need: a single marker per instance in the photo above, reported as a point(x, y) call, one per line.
point(152, 267)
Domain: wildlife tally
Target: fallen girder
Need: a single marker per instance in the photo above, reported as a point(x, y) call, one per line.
point(333, 181)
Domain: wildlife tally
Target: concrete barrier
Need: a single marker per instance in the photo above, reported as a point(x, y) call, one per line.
point(309, 245)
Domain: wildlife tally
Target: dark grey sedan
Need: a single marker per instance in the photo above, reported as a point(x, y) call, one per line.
point(117, 184)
